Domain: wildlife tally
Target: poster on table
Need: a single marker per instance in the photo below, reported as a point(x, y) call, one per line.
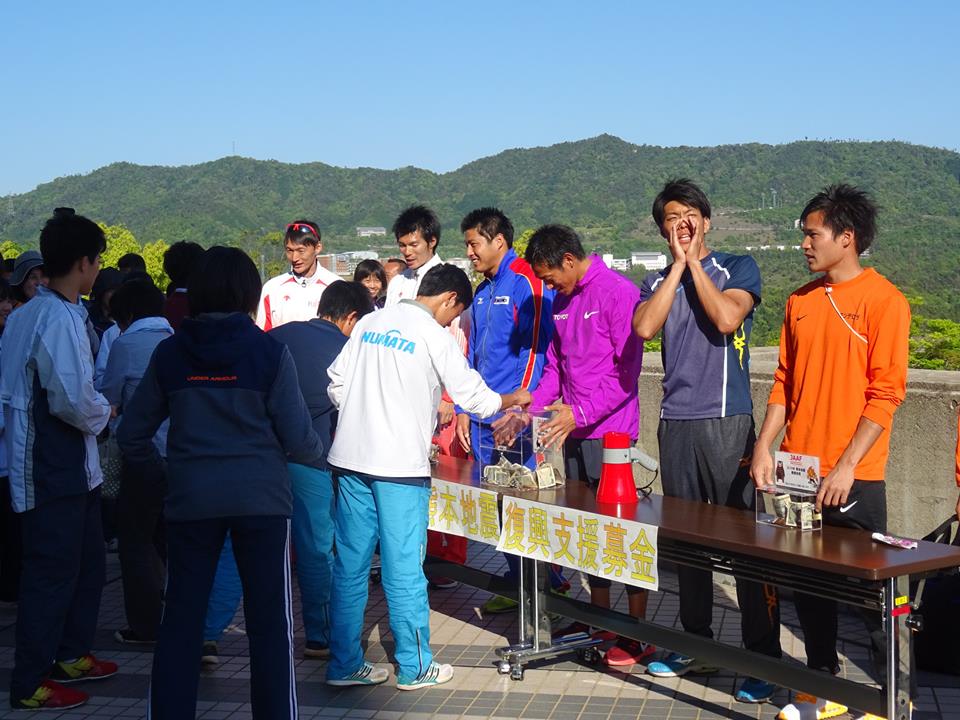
point(621, 550)
point(796, 472)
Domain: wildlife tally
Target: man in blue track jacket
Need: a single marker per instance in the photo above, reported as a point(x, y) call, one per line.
point(511, 330)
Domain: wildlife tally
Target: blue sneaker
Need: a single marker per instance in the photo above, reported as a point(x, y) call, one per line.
point(755, 691)
point(676, 665)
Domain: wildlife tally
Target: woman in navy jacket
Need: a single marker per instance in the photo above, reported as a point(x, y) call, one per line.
point(236, 417)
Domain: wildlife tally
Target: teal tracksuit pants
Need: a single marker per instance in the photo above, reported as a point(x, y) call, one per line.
point(395, 513)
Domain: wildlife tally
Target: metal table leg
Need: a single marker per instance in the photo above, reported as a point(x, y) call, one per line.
point(897, 640)
point(536, 642)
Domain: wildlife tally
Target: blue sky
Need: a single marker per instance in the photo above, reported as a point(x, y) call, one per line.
point(438, 84)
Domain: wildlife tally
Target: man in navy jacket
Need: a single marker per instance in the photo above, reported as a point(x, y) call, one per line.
point(314, 345)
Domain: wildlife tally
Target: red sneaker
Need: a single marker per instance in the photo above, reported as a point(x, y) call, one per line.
point(628, 652)
point(51, 696)
point(84, 668)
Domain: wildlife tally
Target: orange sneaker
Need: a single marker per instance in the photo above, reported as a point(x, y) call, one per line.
point(628, 652)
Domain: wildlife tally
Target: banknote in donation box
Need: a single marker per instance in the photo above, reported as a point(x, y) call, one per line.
point(791, 500)
point(520, 460)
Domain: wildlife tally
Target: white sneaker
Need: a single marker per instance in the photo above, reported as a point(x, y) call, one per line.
point(808, 707)
point(436, 674)
point(367, 675)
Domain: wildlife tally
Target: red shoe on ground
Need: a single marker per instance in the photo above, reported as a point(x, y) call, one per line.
point(628, 652)
point(51, 696)
point(84, 668)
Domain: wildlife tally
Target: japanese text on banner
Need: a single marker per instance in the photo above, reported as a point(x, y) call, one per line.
point(466, 511)
point(621, 550)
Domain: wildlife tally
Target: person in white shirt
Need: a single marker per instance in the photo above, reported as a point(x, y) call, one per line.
point(386, 383)
point(295, 294)
point(417, 230)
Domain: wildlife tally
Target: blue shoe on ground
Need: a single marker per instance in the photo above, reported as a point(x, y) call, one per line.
point(755, 691)
point(676, 665)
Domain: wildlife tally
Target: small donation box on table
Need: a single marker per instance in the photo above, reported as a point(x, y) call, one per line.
point(790, 501)
point(525, 463)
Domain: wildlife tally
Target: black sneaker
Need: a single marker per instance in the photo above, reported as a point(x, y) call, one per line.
point(129, 637)
point(210, 654)
point(314, 649)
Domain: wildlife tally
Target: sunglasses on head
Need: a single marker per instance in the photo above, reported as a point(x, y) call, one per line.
point(302, 227)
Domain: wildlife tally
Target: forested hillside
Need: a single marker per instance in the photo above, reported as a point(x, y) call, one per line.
point(602, 186)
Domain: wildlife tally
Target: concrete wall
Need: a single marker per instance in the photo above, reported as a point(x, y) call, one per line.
point(921, 486)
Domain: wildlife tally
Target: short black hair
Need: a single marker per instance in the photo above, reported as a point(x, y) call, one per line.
point(6, 292)
point(302, 232)
point(226, 280)
point(131, 261)
point(447, 278)
point(67, 237)
point(550, 243)
point(342, 298)
point(8, 264)
point(418, 218)
point(489, 222)
point(681, 190)
point(108, 280)
point(179, 260)
point(846, 207)
point(366, 268)
point(136, 299)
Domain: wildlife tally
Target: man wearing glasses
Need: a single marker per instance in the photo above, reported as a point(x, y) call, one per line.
point(295, 294)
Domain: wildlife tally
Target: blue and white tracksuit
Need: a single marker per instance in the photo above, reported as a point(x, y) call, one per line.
point(52, 415)
point(512, 327)
point(509, 337)
point(387, 384)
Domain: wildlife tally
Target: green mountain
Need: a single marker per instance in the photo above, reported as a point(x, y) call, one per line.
point(602, 186)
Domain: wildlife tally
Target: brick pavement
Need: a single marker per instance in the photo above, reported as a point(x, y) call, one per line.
point(555, 690)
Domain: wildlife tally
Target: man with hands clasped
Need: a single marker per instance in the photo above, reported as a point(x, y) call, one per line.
point(841, 375)
point(704, 304)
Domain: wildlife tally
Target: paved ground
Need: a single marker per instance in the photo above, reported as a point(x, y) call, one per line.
point(461, 636)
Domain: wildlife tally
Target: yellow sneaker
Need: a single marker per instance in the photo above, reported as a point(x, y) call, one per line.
point(808, 707)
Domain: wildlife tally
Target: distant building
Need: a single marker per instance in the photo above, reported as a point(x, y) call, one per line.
point(650, 260)
point(371, 231)
point(621, 264)
point(462, 263)
point(343, 264)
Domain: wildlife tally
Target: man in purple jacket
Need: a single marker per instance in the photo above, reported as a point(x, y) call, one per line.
point(593, 363)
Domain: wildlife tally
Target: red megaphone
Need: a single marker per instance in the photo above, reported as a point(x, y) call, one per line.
point(616, 478)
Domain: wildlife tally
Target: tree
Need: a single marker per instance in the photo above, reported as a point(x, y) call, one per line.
point(520, 243)
point(153, 256)
point(120, 241)
point(10, 249)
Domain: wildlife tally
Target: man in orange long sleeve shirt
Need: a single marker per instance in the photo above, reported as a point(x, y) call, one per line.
point(958, 465)
point(842, 373)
